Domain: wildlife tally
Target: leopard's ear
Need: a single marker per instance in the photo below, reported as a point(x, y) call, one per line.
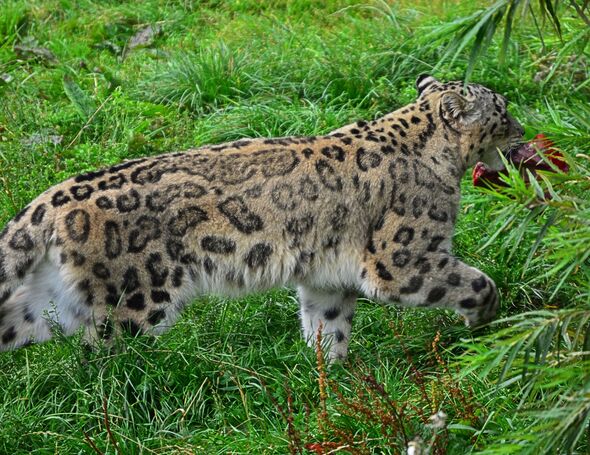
point(457, 109)
point(424, 81)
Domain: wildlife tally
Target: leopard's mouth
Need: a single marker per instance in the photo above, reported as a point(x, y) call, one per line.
point(535, 155)
point(524, 153)
point(510, 153)
point(515, 154)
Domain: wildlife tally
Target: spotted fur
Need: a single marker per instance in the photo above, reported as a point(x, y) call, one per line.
point(367, 209)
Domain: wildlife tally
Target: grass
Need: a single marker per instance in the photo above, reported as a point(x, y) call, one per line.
point(233, 376)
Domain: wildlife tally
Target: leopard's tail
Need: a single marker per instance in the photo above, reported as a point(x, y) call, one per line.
point(25, 284)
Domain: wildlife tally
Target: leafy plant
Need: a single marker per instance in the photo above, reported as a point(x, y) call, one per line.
point(478, 29)
point(546, 355)
point(360, 415)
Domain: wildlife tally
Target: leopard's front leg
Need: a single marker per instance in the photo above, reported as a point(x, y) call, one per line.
point(333, 312)
point(431, 279)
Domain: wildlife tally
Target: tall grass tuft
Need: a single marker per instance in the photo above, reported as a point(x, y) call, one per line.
point(201, 81)
point(13, 22)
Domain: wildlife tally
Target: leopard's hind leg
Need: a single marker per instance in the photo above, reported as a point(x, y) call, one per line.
point(333, 312)
point(42, 302)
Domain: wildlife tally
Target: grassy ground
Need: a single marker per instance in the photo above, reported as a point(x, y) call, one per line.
point(79, 89)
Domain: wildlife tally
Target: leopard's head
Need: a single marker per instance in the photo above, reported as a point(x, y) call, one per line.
point(476, 117)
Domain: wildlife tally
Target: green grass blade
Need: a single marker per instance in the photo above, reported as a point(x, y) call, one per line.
point(83, 103)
